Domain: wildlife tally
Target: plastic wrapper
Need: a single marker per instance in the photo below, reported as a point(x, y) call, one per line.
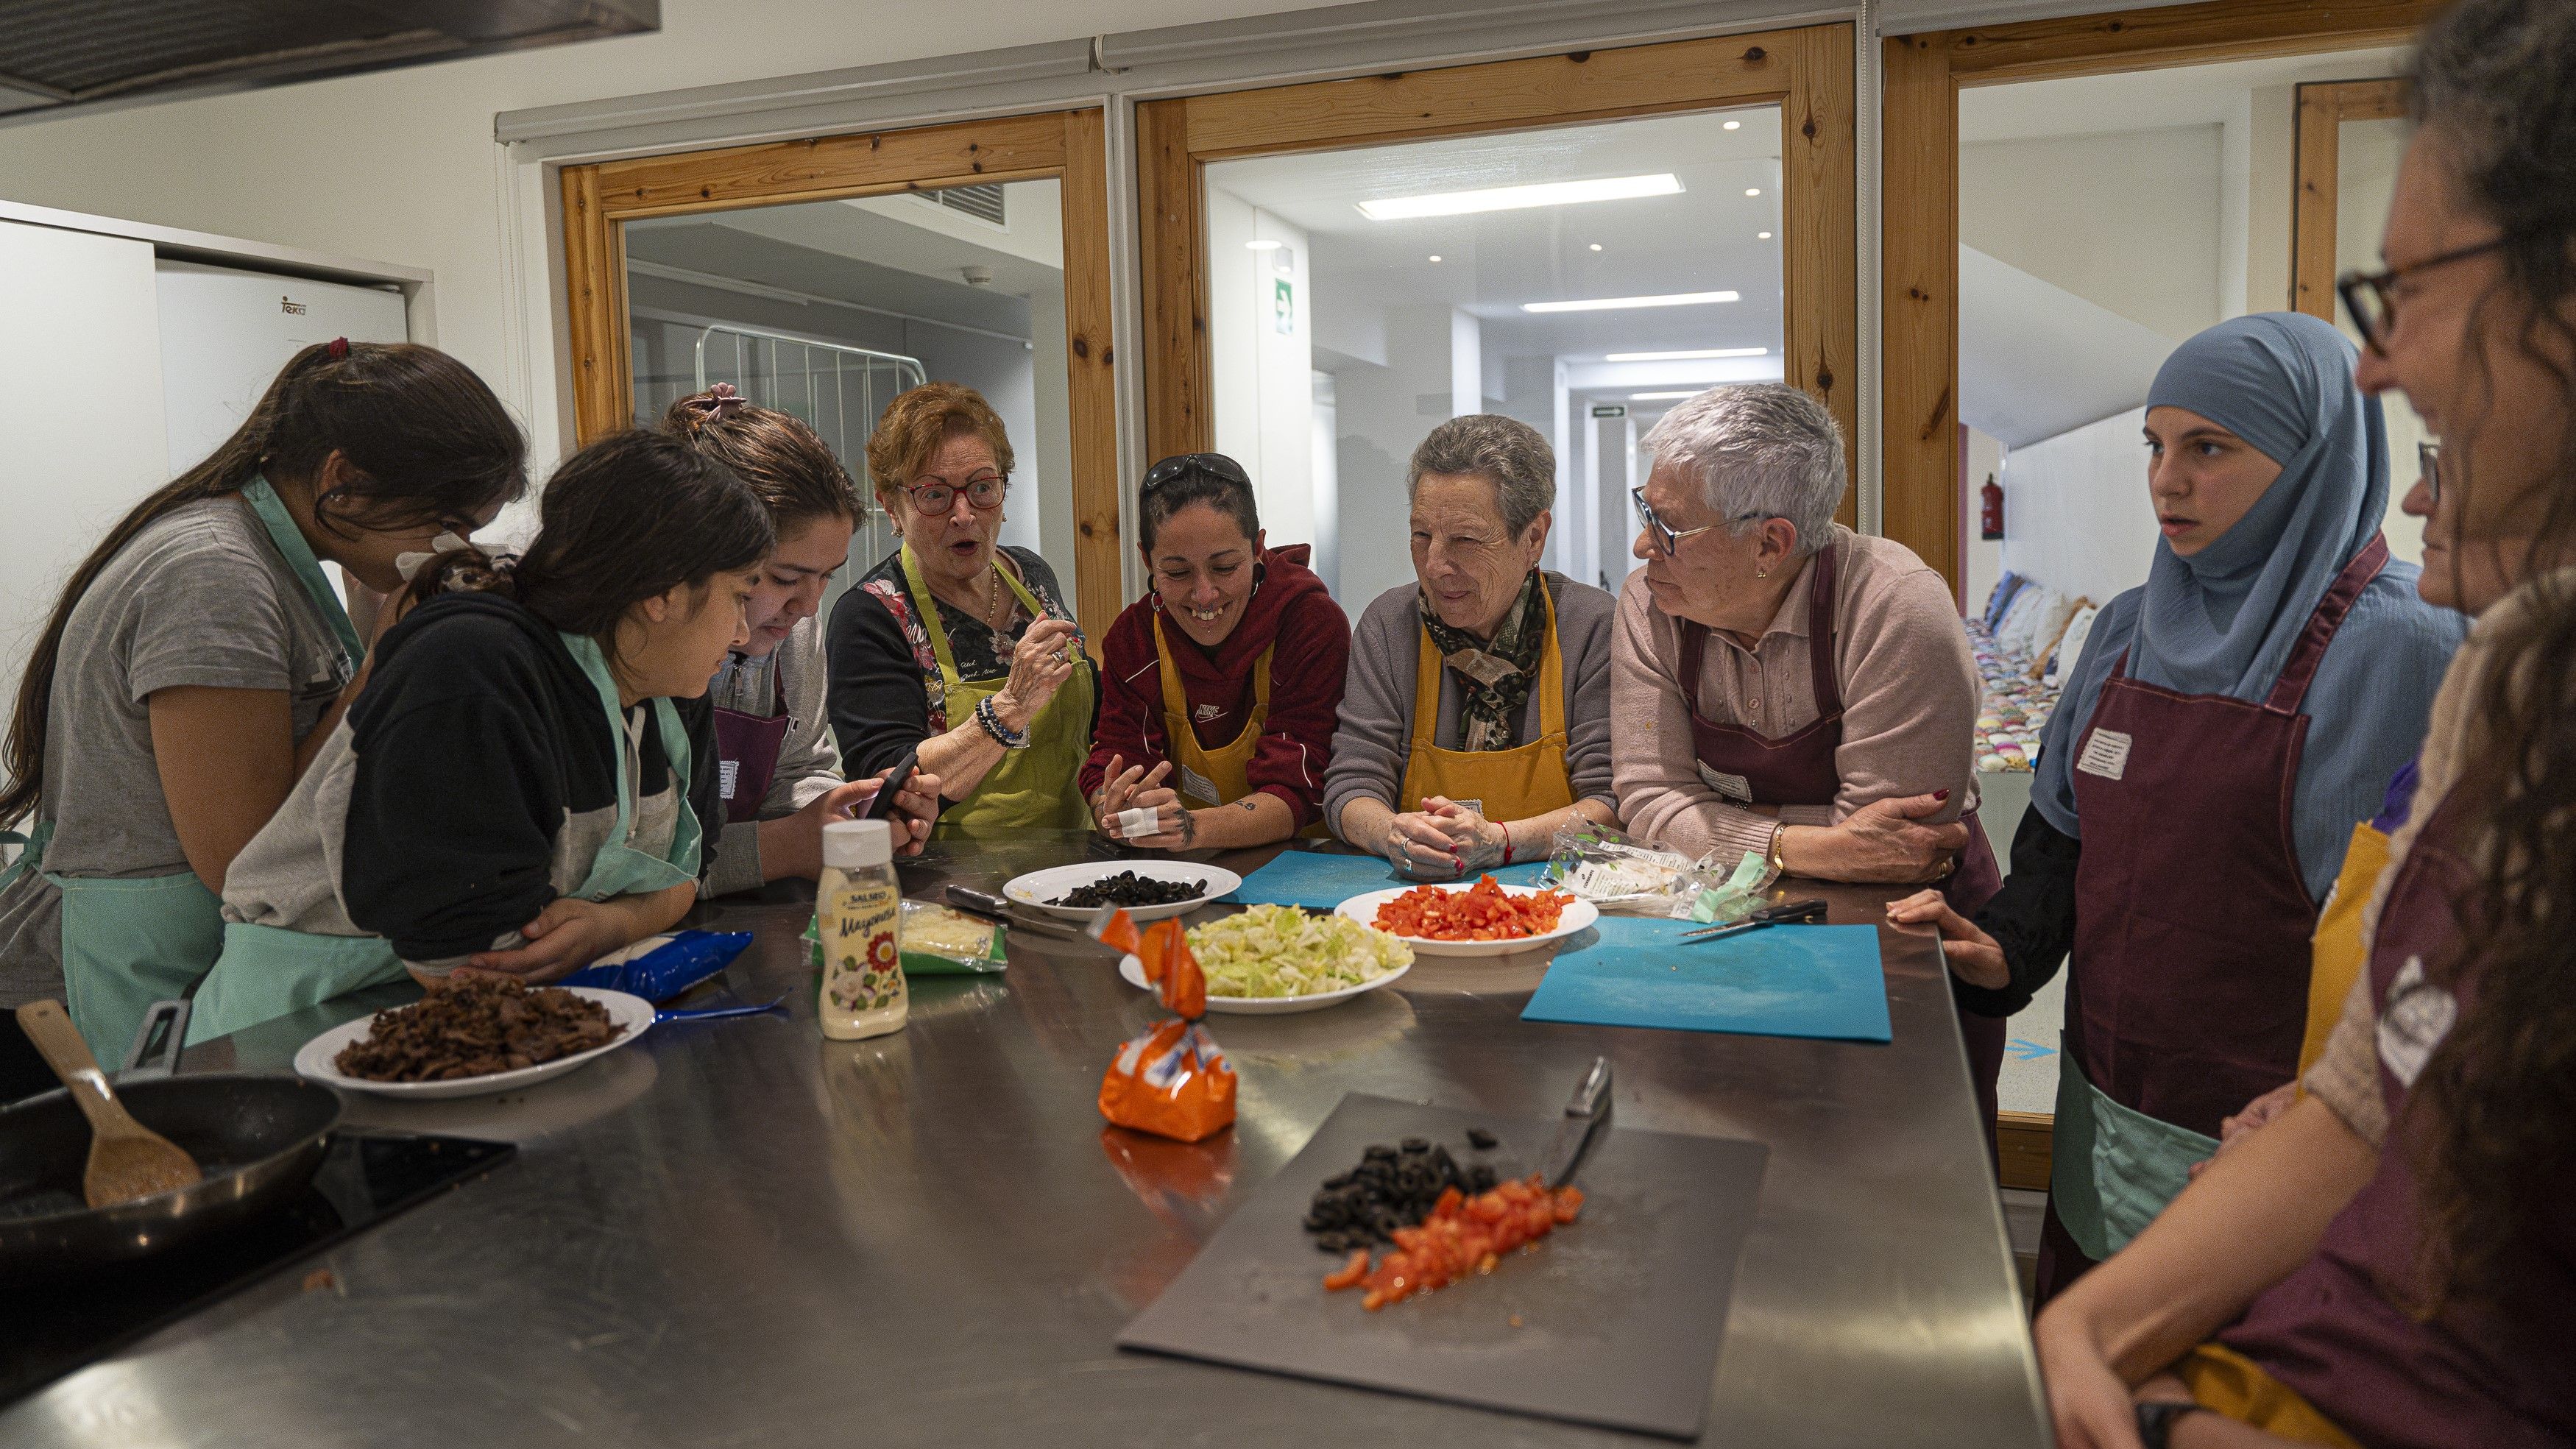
point(1172, 1081)
point(658, 968)
point(938, 941)
point(1619, 873)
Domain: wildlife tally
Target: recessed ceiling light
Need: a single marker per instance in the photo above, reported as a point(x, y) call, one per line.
point(1596, 246)
point(1734, 125)
point(1753, 191)
point(1659, 396)
point(1762, 236)
point(1264, 244)
point(1513, 198)
point(1435, 256)
point(1612, 304)
point(1689, 354)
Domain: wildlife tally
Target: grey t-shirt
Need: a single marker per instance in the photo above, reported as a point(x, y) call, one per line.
point(200, 597)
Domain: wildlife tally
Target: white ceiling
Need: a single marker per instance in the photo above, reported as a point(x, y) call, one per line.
point(2150, 100)
point(1703, 239)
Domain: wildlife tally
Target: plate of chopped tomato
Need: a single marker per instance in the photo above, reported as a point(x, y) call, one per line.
point(1487, 918)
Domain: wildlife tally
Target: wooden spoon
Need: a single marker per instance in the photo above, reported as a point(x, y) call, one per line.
point(127, 1160)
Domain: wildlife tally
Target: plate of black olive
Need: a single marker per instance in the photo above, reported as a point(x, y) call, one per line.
point(1148, 889)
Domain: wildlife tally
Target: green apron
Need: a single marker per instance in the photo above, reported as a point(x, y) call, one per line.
point(1037, 788)
point(269, 971)
point(130, 941)
point(2113, 1168)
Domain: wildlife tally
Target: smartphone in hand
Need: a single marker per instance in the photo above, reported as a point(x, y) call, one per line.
point(880, 806)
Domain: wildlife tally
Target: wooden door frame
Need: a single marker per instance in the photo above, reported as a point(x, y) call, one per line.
point(1065, 144)
point(1919, 201)
point(2323, 108)
point(1807, 72)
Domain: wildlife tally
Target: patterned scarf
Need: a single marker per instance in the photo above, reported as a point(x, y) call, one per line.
point(1496, 676)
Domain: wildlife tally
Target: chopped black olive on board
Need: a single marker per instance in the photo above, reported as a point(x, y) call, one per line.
point(1391, 1188)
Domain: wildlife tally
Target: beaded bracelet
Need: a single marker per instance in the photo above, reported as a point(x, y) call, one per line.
point(991, 719)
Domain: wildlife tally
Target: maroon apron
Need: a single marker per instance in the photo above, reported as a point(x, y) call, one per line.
point(747, 746)
point(2187, 991)
point(2344, 1330)
point(1798, 769)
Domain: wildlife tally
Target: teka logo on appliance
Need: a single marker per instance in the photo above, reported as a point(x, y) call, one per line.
point(290, 306)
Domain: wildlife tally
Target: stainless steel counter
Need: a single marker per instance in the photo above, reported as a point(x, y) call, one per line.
point(738, 1232)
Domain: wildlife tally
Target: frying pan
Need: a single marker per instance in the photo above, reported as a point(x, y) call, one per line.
point(259, 1138)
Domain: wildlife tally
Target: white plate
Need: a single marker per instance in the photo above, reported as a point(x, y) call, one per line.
point(1578, 915)
point(1133, 971)
point(315, 1060)
point(1040, 888)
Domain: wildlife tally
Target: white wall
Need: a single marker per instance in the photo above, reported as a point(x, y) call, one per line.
point(1263, 378)
point(2076, 514)
point(400, 165)
point(2129, 220)
point(84, 324)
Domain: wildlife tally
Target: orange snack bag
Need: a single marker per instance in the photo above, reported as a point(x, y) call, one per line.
point(1172, 1081)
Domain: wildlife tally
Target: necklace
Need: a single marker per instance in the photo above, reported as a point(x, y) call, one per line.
point(993, 618)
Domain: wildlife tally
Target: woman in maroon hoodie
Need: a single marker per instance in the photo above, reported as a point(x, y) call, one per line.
point(1222, 685)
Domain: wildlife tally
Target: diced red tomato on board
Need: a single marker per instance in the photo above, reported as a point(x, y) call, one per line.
point(1462, 1235)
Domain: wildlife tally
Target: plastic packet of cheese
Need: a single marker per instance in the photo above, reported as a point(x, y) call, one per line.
point(1172, 1081)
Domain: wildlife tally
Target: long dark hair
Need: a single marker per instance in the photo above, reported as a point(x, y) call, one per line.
point(784, 461)
point(2495, 85)
point(427, 439)
point(629, 518)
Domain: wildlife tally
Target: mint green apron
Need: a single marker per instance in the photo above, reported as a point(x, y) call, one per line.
point(2113, 1168)
point(269, 971)
point(130, 941)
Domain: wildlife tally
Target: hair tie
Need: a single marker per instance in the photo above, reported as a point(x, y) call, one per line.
point(339, 348)
point(720, 403)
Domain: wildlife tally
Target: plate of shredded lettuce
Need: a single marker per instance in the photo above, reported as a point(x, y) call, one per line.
point(1272, 960)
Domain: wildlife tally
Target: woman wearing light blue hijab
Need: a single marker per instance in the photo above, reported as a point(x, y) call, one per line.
point(2229, 722)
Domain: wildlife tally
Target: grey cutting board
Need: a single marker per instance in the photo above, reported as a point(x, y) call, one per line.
point(1619, 1313)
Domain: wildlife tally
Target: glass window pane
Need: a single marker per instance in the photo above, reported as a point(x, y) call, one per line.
point(2366, 157)
point(1359, 298)
point(828, 309)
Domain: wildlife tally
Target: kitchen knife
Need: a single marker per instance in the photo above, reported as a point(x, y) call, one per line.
point(985, 903)
point(1584, 1115)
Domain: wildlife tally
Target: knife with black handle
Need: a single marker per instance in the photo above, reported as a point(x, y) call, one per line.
point(1584, 1114)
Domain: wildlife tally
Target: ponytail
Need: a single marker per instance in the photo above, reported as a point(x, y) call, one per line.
point(785, 462)
point(425, 437)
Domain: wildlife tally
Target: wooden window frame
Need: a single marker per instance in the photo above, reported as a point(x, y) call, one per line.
point(1919, 199)
point(1067, 145)
point(1919, 481)
point(2323, 108)
point(1806, 72)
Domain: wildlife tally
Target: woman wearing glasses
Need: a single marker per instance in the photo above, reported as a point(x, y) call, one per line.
point(1738, 732)
point(955, 645)
point(2392, 1260)
point(1476, 719)
point(1222, 683)
point(2229, 722)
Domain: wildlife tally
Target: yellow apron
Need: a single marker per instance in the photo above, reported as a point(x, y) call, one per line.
point(1206, 778)
point(1500, 785)
point(1031, 789)
point(130, 941)
point(2335, 959)
point(2222, 1379)
point(268, 971)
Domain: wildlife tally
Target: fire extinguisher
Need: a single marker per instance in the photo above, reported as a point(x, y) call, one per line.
point(1990, 513)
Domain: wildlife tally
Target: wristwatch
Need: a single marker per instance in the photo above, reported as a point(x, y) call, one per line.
point(2156, 1418)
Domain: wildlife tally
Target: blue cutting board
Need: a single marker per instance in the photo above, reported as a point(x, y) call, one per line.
point(1813, 981)
point(1319, 882)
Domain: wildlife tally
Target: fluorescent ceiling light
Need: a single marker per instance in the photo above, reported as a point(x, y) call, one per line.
point(1734, 125)
point(1685, 356)
point(1265, 244)
point(1513, 198)
point(1659, 396)
point(1613, 304)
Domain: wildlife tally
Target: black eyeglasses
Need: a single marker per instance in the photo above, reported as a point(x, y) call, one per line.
point(2428, 461)
point(2366, 294)
point(1668, 539)
point(1180, 464)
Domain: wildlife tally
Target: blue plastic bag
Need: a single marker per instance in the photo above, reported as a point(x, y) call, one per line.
point(680, 962)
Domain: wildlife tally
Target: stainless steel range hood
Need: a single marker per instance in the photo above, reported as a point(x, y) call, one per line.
point(62, 56)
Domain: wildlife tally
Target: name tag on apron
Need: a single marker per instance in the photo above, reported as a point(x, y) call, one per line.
point(1196, 785)
point(2418, 1015)
point(1733, 787)
point(2106, 753)
point(728, 772)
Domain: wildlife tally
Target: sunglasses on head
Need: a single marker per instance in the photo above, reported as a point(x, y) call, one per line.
point(1215, 465)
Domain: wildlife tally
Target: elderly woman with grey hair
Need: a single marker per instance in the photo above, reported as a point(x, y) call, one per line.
point(1784, 685)
point(1476, 716)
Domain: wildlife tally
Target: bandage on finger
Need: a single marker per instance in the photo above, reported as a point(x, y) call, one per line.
point(1139, 823)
